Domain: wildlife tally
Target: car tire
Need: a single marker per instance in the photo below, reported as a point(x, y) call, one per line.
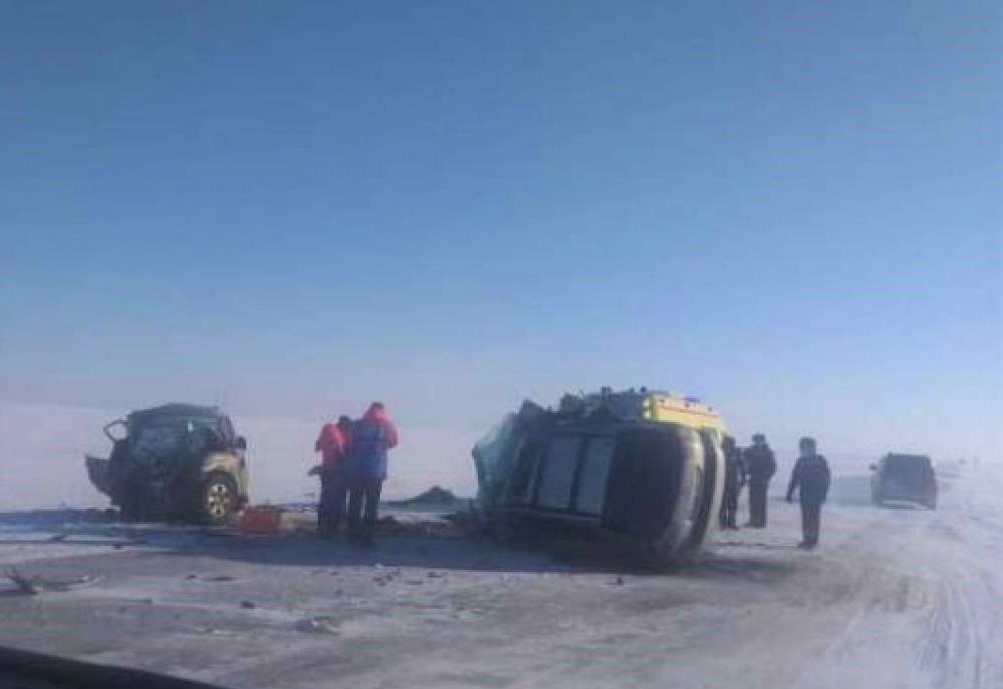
point(219, 499)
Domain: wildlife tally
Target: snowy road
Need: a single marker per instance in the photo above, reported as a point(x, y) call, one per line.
point(893, 598)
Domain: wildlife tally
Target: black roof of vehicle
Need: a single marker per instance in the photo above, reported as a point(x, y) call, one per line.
point(175, 410)
point(903, 458)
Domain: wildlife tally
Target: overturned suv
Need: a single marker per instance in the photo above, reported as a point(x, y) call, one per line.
point(645, 468)
point(177, 462)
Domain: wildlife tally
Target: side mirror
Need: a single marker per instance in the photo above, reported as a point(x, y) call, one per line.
point(873, 467)
point(122, 432)
point(240, 443)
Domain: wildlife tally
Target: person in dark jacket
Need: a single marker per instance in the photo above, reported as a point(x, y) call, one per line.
point(760, 464)
point(734, 479)
point(811, 479)
point(372, 438)
point(334, 443)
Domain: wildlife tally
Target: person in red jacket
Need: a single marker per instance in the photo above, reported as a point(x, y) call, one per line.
point(334, 443)
point(372, 438)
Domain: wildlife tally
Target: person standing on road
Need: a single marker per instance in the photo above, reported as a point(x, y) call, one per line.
point(760, 465)
point(811, 477)
point(734, 479)
point(372, 438)
point(334, 444)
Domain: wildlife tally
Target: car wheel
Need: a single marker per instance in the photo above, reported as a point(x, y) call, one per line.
point(219, 498)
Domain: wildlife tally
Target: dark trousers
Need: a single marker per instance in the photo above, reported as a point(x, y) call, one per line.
point(332, 501)
point(729, 507)
point(811, 517)
point(363, 503)
point(757, 504)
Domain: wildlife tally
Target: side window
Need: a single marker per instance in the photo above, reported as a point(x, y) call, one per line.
point(595, 471)
point(558, 473)
point(520, 485)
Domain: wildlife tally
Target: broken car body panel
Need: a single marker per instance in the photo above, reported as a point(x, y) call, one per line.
point(174, 461)
point(647, 466)
point(97, 472)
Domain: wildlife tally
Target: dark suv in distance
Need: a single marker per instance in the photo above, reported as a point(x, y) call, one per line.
point(908, 478)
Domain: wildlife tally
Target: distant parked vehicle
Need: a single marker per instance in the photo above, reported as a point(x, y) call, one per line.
point(177, 462)
point(909, 478)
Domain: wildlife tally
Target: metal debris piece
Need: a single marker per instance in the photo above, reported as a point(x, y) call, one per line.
point(317, 625)
point(33, 586)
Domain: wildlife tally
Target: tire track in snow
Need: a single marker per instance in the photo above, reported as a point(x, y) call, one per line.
point(961, 647)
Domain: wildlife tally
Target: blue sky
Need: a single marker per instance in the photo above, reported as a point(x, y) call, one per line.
point(790, 209)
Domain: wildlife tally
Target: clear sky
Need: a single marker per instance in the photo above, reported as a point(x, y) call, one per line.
point(790, 209)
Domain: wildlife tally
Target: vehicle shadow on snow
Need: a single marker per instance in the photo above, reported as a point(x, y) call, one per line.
point(52, 518)
point(740, 569)
point(463, 549)
point(460, 553)
point(906, 506)
point(479, 554)
point(99, 528)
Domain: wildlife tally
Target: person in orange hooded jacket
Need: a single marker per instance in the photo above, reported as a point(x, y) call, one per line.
point(372, 438)
point(334, 443)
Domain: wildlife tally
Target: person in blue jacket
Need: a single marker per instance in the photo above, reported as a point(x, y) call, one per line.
point(372, 438)
point(811, 478)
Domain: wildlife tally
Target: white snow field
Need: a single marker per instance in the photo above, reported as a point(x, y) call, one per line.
point(893, 598)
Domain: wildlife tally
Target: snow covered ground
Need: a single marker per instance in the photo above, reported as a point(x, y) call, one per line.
point(893, 598)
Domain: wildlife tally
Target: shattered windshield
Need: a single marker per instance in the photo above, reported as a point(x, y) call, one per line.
point(158, 441)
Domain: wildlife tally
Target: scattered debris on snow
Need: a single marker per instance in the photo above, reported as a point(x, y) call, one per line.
point(33, 586)
point(317, 625)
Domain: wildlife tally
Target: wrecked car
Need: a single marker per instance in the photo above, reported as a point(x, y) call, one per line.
point(644, 466)
point(173, 462)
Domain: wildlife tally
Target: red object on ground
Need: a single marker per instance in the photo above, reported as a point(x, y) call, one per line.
point(261, 520)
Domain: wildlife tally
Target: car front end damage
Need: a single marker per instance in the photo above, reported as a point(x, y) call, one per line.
point(175, 462)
